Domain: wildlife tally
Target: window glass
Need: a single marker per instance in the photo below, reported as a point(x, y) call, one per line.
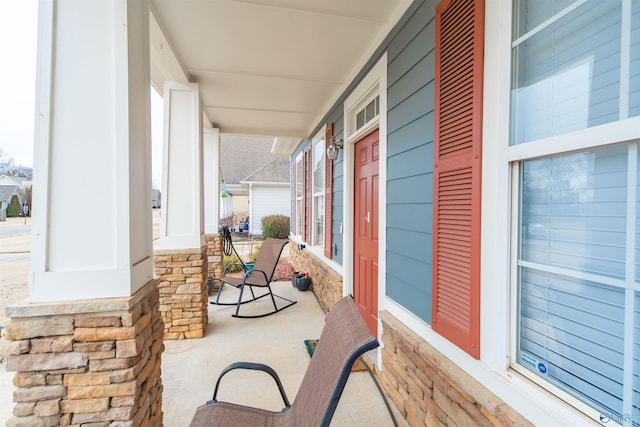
point(318, 192)
point(576, 65)
point(318, 166)
point(299, 195)
point(573, 211)
point(634, 83)
point(569, 62)
point(573, 289)
point(368, 113)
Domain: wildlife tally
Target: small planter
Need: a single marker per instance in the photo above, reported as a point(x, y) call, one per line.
point(303, 283)
point(294, 276)
point(249, 265)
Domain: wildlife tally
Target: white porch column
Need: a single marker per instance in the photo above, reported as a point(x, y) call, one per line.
point(92, 233)
point(211, 180)
point(182, 219)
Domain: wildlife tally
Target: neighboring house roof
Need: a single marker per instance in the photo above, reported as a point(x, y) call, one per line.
point(276, 171)
point(6, 191)
point(241, 156)
point(14, 180)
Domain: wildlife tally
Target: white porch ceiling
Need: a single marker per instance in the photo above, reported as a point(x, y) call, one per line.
point(267, 67)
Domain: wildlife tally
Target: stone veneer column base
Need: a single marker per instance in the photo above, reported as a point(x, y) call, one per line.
point(215, 258)
point(184, 298)
point(325, 282)
point(90, 363)
point(430, 390)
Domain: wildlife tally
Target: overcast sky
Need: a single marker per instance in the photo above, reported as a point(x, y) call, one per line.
point(18, 34)
point(18, 23)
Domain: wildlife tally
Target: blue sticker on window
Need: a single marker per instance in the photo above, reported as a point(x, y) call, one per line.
point(533, 363)
point(542, 368)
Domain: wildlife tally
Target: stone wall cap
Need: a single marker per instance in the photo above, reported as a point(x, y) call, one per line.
point(101, 305)
point(190, 251)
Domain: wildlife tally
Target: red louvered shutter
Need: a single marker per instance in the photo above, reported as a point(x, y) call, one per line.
point(328, 195)
point(457, 179)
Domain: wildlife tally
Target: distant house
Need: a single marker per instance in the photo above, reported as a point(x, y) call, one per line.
point(6, 192)
point(256, 182)
point(268, 192)
point(10, 186)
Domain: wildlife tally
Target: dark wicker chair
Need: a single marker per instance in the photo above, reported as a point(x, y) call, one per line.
point(344, 338)
point(259, 276)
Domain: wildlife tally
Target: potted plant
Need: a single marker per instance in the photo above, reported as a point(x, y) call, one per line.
point(302, 281)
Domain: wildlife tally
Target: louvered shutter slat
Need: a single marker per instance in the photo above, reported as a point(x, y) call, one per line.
point(456, 223)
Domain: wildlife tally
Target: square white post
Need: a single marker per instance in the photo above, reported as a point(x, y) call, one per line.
point(182, 219)
point(92, 234)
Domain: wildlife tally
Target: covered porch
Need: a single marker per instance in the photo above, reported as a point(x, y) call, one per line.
point(103, 298)
point(190, 367)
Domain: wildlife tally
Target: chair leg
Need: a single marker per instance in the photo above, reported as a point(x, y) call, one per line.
point(240, 299)
point(219, 291)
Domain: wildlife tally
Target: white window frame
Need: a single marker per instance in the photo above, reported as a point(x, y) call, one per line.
point(500, 174)
point(299, 208)
point(318, 139)
point(496, 299)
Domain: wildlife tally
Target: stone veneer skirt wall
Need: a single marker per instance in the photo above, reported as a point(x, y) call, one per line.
point(430, 390)
point(214, 257)
point(184, 297)
point(325, 282)
point(92, 363)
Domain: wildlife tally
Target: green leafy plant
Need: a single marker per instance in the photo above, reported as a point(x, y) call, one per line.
point(14, 208)
point(233, 259)
point(276, 226)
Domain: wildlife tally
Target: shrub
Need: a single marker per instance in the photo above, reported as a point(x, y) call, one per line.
point(232, 259)
point(276, 226)
point(14, 208)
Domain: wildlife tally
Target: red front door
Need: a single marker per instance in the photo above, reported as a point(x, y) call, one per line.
point(365, 256)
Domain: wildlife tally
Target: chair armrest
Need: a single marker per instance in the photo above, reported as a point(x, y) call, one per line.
point(254, 367)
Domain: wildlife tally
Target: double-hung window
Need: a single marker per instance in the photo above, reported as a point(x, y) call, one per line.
point(299, 194)
point(575, 147)
point(319, 147)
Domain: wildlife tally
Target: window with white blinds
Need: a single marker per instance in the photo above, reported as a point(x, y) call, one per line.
point(576, 290)
point(576, 66)
point(318, 192)
point(299, 194)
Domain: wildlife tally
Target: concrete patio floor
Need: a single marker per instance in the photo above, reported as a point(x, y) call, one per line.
point(190, 368)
